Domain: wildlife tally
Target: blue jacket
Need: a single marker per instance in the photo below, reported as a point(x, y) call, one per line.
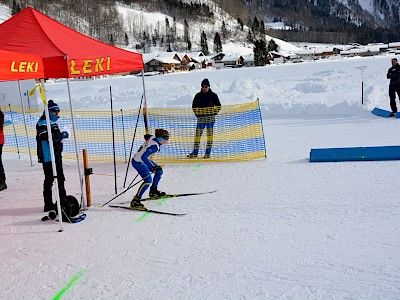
point(43, 146)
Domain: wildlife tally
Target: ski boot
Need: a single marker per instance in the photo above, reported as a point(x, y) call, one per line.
point(154, 193)
point(49, 207)
point(3, 186)
point(136, 204)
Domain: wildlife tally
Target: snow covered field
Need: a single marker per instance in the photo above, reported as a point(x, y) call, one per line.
point(280, 228)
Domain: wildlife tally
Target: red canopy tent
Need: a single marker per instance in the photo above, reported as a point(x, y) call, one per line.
point(18, 66)
point(66, 53)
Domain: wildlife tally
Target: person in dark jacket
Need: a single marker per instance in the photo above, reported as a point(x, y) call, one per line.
point(394, 85)
point(44, 156)
point(205, 106)
point(3, 185)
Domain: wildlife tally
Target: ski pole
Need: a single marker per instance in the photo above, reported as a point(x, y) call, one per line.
point(133, 180)
point(124, 191)
point(133, 140)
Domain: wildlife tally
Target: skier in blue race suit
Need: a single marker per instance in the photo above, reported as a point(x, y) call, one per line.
point(145, 166)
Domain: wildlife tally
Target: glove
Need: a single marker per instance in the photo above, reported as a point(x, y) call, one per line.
point(65, 135)
point(156, 168)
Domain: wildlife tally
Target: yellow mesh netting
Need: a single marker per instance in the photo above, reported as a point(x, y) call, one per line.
point(237, 133)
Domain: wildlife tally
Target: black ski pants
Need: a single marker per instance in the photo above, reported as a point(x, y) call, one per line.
point(393, 89)
point(49, 179)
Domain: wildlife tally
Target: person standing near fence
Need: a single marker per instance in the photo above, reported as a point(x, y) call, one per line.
point(3, 185)
point(394, 86)
point(44, 156)
point(205, 106)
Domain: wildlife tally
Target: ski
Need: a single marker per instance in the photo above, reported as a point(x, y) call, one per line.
point(148, 210)
point(168, 196)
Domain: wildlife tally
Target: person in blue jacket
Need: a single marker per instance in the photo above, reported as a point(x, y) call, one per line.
point(145, 166)
point(44, 156)
point(205, 106)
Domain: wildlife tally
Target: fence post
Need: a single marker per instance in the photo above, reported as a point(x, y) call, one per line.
point(88, 171)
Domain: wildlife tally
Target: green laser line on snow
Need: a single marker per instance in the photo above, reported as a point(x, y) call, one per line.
point(74, 279)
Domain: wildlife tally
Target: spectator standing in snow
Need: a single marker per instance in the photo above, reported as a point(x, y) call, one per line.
point(394, 85)
point(44, 156)
point(145, 166)
point(3, 185)
point(205, 106)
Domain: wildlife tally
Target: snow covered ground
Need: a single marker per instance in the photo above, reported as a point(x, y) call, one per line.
point(280, 228)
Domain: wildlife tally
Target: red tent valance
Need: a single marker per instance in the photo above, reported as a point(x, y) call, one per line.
point(16, 66)
point(66, 53)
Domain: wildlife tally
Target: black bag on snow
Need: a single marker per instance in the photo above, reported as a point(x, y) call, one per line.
point(69, 207)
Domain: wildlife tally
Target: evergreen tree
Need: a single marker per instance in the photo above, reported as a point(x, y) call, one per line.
point(156, 37)
point(260, 52)
point(173, 32)
point(240, 23)
point(203, 43)
point(262, 28)
point(224, 31)
point(167, 35)
point(15, 8)
point(272, 46)
point(250, 37)
point(111, 41)
point(186, 36)
point(217, 43)
point(126, 39)
point(256, 26)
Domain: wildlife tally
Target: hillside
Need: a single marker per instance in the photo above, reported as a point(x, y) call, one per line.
point(179, 24)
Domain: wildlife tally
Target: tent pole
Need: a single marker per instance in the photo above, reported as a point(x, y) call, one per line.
point(76, 144)
point(15, 133)
point(146, 121)
point(113, 142)
point(26, 129)
point(53, 160)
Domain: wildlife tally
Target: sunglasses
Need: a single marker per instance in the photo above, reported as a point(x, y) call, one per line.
point(166, 137)
point(205, 86)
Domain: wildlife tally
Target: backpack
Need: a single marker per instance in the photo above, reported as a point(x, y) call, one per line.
point(69, 206)
point(70, 211)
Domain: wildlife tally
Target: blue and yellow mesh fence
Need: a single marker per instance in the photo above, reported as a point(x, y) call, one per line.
point(237, 134)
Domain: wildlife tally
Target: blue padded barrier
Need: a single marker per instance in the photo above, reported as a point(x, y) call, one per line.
point(382, 153)
point(381, 112)
point(355, 154)
point(384, 113)
point(336, 154)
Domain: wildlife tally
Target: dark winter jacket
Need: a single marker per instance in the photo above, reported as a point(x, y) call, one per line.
point(1, 128)
point(43, 146)
point(394, 75)
point(204, 100)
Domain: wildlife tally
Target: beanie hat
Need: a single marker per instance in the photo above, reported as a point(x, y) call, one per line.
point(53, 106)
point(205, 82)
